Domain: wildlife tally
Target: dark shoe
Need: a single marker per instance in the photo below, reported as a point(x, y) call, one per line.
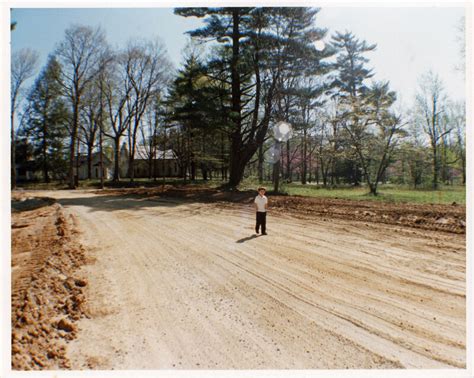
point(264, 233)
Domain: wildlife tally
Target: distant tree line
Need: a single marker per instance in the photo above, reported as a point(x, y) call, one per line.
point(217, 111)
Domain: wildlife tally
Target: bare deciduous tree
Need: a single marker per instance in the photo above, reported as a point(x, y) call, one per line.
point(79, 54)
point(374, 132)
point(152, 131)
point(116, 91)
point(456, 116)
point(430, 102)
point(23, 66)
point(89, 127)
point(146, 69)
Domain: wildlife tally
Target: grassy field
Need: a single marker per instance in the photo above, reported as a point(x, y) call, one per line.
point(387, 193)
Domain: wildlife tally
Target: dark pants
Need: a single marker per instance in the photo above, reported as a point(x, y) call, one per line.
point(261, 221)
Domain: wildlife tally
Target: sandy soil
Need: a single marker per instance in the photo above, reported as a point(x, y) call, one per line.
point(47, 295)
point(184, 285)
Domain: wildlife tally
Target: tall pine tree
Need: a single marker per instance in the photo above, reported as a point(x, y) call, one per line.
point(47, 121)
point(262, 43)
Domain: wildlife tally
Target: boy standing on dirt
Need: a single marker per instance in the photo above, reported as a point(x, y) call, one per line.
point(261, 206)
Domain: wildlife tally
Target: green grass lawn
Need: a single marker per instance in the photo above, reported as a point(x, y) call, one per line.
point(387, 193)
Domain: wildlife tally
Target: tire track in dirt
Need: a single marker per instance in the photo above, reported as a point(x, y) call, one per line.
point(312, 294)
point(295, 286)
point(332, 298)
point(221, 279)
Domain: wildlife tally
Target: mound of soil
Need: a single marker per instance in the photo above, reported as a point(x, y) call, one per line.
point(449, 218)
point(47, 296)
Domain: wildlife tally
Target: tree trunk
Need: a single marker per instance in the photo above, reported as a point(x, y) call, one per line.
point(13, 151)
point(204, 172)
point(310, 172)
point(150, 164)
point(76, 179)
point(373, 189)
point(435, 167)
point(101, 155)
point(333, 172)
point(163, 164)
point(72, 152)
point(223, 169)
point(276, 176)
point(89, 162)
point(355, 171)
point(463, 159)
point(101, 152)
point(193, 168)
point(260, 164)
point(276, 170)
point(131, 167)
point(236, 169)
point(305, 151)
point(72, 147)
point(434, 144)
point(288, 162)
point(324, 172)
point(204, 167)
point(462, 156)
point(45, 155)
point(236, 173)
point(116, 177)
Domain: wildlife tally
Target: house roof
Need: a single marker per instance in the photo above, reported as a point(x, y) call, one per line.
point(95, 156)
point(142, 153)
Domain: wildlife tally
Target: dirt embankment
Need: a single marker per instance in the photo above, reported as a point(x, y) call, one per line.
point(184, 283)
point(47, 296)
point(448, 218)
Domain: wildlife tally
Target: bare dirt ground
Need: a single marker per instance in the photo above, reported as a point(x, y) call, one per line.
point(47, 296)
point(181, 282)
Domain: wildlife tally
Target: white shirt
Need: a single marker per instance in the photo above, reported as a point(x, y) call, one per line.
point(261, 201)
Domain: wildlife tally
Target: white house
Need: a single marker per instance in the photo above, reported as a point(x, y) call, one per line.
point(163, 163)
point(95, 168)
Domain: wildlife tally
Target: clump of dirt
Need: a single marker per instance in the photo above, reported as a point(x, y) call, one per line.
point(47, 296)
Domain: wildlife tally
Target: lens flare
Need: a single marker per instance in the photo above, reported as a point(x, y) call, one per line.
point(274, 153)
point(320, 45)
point(282, 131)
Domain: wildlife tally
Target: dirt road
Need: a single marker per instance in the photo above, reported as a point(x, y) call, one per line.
point(188, 285)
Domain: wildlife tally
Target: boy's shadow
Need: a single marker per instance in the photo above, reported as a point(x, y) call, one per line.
point(243, 240)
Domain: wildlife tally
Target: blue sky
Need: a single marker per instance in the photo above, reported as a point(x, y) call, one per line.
point(410, 40)
point(43, 28)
